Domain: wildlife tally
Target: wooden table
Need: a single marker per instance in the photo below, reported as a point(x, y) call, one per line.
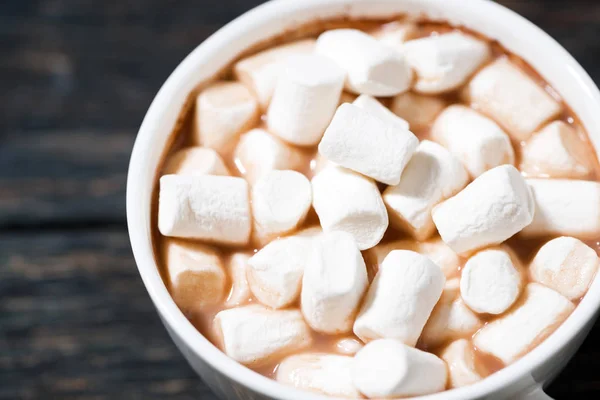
point(76, 80)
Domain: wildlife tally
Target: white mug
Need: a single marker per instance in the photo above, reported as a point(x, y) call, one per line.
point(522, 380)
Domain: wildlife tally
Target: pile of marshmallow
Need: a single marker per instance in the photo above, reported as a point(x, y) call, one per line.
point(463, 184)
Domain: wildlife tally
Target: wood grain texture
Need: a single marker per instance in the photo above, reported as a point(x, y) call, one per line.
point(77, 78)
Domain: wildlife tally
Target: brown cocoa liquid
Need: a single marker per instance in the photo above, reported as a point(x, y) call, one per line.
point(181, 137)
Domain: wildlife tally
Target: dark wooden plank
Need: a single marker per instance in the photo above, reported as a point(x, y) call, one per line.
point(76, 322)
point(63, 177)
point(73, 64)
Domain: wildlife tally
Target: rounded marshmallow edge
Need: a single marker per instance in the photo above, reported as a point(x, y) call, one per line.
point(491, 281)
point(281, 200)
point(349, 202)
point(335, 279)
point(306, 96)
point(400, 299)
point(491, 209)
point(388, 368)
point(372, 67)
point(565, 264)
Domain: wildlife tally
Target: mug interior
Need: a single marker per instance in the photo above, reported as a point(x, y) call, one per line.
point(515, 33)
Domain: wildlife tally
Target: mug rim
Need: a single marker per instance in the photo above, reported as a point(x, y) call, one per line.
point(138, 217)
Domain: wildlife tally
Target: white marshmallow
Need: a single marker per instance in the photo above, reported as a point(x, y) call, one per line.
point(280, 202)
point(556, 151)
point(240, 290)
point(488, 211)
point(348, 346)
point(564, 207)
point(474, 139)
point(319, 163)
point(196, 275)
point(348, 202)
point(335, 279)
point(417, 109)
point(460, 358)
point(538, 314)
point(358, 140)
point(566, 265)
point(372, 105)
point(388, 368)
point(450, 318)
point(395, 34)
point(306, 95)
point(259, 152)
point(432, 175)
point(196, 161)
point(400, 299)
point(223, 111)
point(318, 372)
point(509, 96)
point(253, 335)
point(211, 208)
point(372, 67)
point(275, 272)
point(435, 249)
point(491, 281)
point(444, 62)
point(260, 71)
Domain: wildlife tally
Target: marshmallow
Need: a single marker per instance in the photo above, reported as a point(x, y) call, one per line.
point(335, 279)
point(327, 374)
point(491, 281)
point(431, 176)
point(417, 109)
point(395, 34)
point(372, 67)
point(196, 161)
point(259, 152)
point(564, 207)
point(509, 96)
point(348, 346)
point(435, 249)
point(240, 290)
point(450, 318)
point(566, 265)
point(348, 202)
point(488, 211)
point(538, 314)
point(444, 62)
point(306, 95)
point(196, 275)
point(211, 208)
point(556, 151)
point(361, 141)
point(372, 105)
point(260, 71)
point(319, 163)
point(474, 139)
point(388, 368)
point(460, 358)
point(280, 202)
point(400, 299)
point(223, 111)
point(275, 272)
point(253, 335)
